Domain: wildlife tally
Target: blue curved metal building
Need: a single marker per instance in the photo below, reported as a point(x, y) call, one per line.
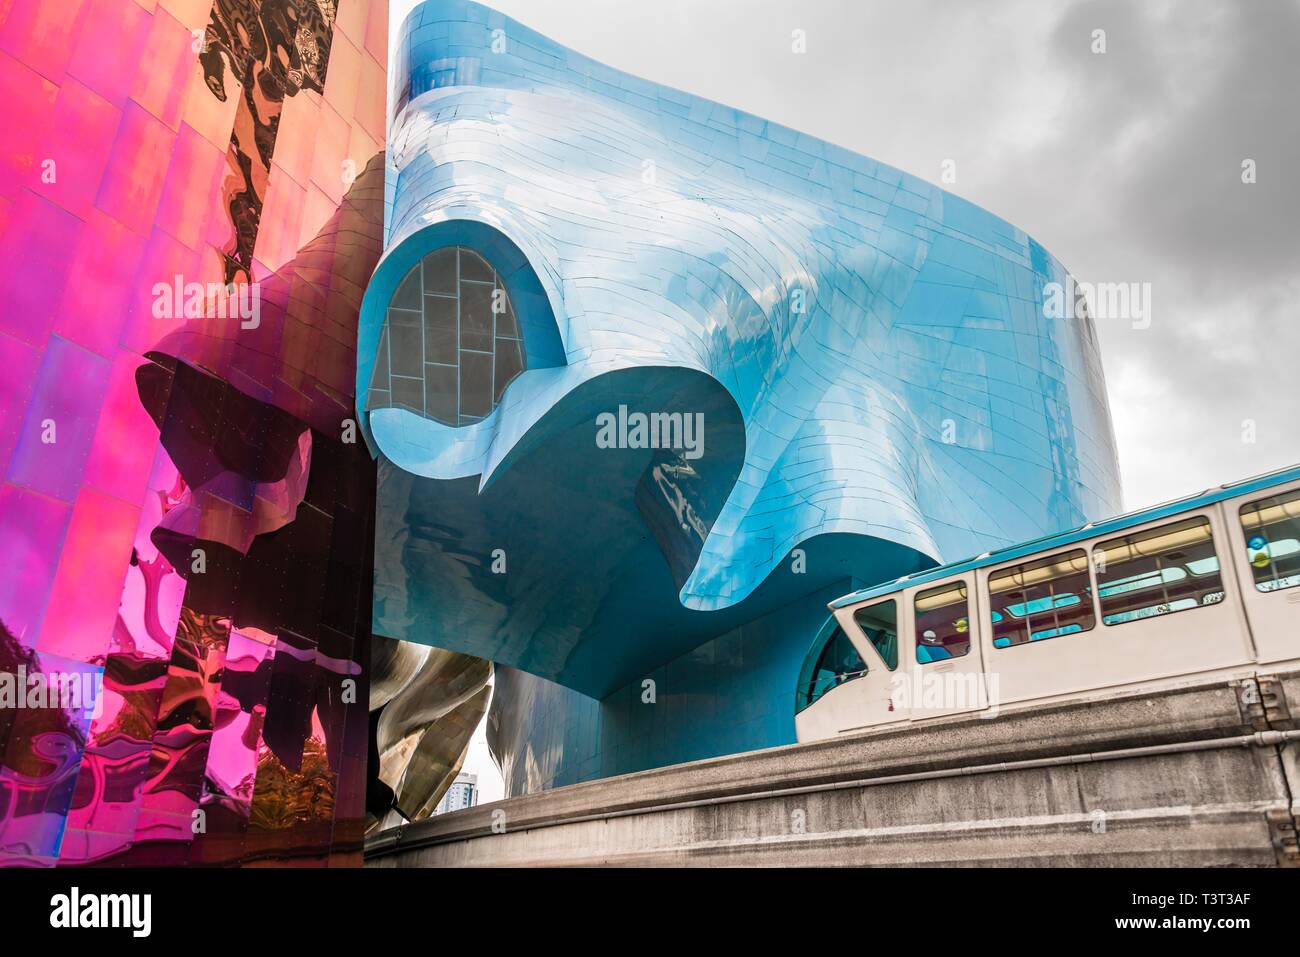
point(846, 372)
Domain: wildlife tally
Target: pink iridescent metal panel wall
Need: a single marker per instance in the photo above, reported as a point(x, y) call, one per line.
point(185, 514)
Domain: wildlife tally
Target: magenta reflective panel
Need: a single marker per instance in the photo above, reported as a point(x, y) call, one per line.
point(191, 202)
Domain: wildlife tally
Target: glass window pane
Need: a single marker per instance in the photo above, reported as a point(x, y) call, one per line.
point(408, 394)
point(475, 383)
point(473, 266)
point(379, 380)
point(408, 292)
point(407, 350)
point(476, 317)
point(403, 317)
point(507, 328)
point(1041, 599)
point(1272, 529)
point(439, 330)
point(942, 623)
point(440, 271)
point(1159, 571)
point(880, 624)
point(510, 362)
point(440, 393)
point(828, 666)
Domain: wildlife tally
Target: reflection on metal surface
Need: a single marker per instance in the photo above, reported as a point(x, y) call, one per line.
point(438, 757)
point(197, 536)
point(425, 726)
point(392, 666)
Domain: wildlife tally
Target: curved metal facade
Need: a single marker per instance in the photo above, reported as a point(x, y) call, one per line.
point(866, 354)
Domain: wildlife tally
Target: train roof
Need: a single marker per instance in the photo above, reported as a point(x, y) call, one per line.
point(1083, 532)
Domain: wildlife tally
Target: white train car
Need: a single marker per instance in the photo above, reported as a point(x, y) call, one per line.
point(1206, 586)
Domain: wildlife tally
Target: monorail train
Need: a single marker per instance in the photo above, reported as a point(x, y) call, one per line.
point(1208, 585)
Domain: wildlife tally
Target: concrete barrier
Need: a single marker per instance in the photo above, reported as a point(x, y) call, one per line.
point(1183, 776)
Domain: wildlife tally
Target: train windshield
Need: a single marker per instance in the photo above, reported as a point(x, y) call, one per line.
point(830, 662)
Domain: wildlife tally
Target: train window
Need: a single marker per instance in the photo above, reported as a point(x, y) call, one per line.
point(942, 623)
point(880, 624)
point(1272, 529)
point(1157, 572)
point(829, 664)
point(1042, 599)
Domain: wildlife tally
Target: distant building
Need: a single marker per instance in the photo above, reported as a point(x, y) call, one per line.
point(462, 794)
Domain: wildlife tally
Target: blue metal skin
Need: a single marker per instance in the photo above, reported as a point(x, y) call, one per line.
point(730, 695)
point(878, 386)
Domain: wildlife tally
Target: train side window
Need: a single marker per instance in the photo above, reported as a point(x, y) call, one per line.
point(942, 623)
point(1041, 599)
point(1158, 572)
point(1272, 530)
point(880, 624)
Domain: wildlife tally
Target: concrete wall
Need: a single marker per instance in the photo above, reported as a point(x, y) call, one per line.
point(1180, 777)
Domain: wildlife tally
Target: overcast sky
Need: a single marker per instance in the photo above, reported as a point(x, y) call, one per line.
point(1126, 165)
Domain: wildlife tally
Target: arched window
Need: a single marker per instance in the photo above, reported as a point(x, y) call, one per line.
point(450, 342)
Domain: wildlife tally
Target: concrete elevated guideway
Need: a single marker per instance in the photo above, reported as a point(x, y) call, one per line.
point(1204, 774)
